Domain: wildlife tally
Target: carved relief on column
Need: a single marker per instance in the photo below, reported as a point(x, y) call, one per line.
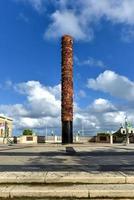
point(67, 78)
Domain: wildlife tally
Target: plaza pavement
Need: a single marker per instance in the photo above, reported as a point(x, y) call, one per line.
point(76, 157)
point(78, 170)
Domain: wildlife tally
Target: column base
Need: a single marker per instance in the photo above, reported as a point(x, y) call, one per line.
point(67, 132)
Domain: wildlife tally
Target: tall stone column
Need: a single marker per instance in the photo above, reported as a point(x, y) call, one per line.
point(67, 89)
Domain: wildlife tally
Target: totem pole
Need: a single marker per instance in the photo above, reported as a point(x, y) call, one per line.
point(67, 89)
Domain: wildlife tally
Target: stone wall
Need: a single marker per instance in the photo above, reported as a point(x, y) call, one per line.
point(27, 139)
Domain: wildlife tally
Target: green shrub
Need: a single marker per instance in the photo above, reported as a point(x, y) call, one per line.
point(27, 132)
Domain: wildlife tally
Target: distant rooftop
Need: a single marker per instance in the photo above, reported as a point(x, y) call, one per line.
point(4, 117)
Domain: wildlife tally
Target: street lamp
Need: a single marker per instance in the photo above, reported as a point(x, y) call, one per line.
point(126, 128)
point(78, 133)
point(52, 132)
point(82, 128)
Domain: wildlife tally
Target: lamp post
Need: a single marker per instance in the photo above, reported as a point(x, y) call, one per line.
point(82, 128)
point(127, 133)
point(46, 131)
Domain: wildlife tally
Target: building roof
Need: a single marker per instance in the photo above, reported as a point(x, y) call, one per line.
point(7, 118)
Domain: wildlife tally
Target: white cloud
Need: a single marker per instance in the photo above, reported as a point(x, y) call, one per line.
point(42, 108)
point(114, 117)
point(42, 101)
point(120, 11)
point(14, 110)
point(100, 115)
point(36, 123)
point(114, 84)
point(102, 105)
point(65, 22)
point(80, 17)
point(86, 120)
point(92, 62)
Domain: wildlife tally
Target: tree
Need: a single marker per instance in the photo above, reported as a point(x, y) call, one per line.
point(27, 132)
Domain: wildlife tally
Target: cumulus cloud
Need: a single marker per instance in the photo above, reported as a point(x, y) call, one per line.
point(84, 119)
point(14, 110)
point(102, 105)
point(42, 101)
point(100, 115)
point(114, 84)
point(114, 117)
point(37, 123)
point(80, 17)
point(42, 108)
point(65, 22)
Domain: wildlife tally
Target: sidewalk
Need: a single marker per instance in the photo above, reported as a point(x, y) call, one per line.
point(72, 158)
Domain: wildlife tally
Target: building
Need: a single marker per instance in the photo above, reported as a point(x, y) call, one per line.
point(103, 137)
point(130, 130)
point(6, 127)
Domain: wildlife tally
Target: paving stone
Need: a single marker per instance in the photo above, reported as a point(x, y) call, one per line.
point(84, 177)
point(69, 191)
point(22, 177)
point(49, 191)
point(5, 190)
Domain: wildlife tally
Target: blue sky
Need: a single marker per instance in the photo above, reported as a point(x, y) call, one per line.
point(103, 32)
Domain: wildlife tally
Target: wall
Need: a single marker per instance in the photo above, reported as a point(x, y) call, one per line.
point(5, 140)
point(27, 139)
point(103, 138)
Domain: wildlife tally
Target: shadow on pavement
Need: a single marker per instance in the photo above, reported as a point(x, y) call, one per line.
point(70, 160)
point(68, 152)
point(69, 168)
